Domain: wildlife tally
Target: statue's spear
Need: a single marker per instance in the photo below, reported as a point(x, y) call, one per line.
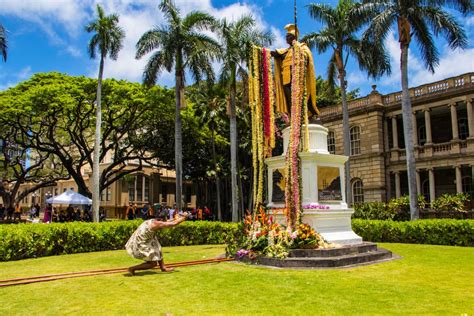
point(296, 25)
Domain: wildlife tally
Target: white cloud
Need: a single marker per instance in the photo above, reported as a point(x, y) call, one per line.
point(25, 73)
point(136, 17)
point(451, 63)
point(470, 21)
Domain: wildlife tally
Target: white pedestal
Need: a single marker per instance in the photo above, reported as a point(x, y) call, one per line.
point(322, 186)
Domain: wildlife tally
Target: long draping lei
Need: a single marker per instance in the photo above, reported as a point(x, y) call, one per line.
point(262, 104)
point(298, 114)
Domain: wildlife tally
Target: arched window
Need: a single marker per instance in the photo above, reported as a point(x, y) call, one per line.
point(331, 143)
point(421, 135)
point(358, 191)
point(463, 128)
point(355, 140)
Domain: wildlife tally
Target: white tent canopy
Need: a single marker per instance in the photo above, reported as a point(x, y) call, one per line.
point(70, 197)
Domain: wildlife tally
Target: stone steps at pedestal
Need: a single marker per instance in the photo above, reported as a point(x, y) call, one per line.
point(343, 256)
point(328, 262)
point(341, 251)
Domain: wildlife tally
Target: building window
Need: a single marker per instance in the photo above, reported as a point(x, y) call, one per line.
point(463, 128)
point(422, 135)
point(131, 190)
point(358, 191)
point(106, 194)
point(139, 186)
point(146, 197)
point(467, 185)
point(355, 140)
point(331, 143)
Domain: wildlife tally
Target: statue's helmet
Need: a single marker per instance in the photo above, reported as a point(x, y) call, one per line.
point(292, 29)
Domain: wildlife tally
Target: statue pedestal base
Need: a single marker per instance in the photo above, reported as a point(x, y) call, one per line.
point(322, 196)
point(333, 224)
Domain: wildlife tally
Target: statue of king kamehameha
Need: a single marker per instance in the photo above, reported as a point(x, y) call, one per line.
point(283, 58)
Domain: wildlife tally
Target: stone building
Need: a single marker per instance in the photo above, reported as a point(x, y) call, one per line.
point(442, 116)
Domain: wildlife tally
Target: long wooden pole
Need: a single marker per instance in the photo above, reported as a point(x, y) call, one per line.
point(296, 22)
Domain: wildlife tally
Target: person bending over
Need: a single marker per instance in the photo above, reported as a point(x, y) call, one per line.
point(144, 244)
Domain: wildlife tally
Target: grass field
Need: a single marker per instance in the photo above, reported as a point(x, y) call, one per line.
point(427, 280)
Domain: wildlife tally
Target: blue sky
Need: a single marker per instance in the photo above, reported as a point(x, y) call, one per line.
point(48, 35)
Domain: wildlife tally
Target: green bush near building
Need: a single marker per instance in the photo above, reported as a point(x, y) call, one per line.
point(29, 241)
point(433, 231)
point(398, 209)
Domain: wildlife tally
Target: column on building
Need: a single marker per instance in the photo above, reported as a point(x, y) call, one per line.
point(470, 118)
point(458, 179)
point(418, 182)
point(415, 129)
point(431, 178)
point(454, 121)
point(397, 184)
point(394, 132)
point(429, 139)
point(385, 132)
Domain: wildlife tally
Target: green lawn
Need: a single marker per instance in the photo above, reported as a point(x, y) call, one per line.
point(428, 280)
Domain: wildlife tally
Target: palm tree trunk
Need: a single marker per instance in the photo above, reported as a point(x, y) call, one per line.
point(233, 150)
point(218, 189)
point(408, 131)
point(346, 137)
point(178, 149)
point(97, 142)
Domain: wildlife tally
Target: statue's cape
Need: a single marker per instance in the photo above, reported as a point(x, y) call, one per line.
point(310, 79)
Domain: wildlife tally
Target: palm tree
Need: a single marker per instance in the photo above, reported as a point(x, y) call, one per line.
point(339, 35)
point(420, 19)
point(181, 46)
point(107, 40)
point(3, 43)
point(237, 38)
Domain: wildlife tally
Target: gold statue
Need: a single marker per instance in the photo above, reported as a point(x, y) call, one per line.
point(283, 61)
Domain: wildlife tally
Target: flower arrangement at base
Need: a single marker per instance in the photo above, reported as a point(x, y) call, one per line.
point(263, 236)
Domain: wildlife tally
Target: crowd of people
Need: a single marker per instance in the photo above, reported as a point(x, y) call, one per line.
point(148, 211)
point(50, 214)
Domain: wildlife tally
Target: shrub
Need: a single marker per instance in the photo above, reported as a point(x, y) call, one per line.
point(451, 203)
point(400, 207)
point(434, 231)
point(30, 241)
point(373, 210)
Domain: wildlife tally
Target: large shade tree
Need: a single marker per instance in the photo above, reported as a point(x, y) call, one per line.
point(236, 39)
point(106, 41)
point(180, 45)
point(420, 20)
point(54, 114)
point(339, 36)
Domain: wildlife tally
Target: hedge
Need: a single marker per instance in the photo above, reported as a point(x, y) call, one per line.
point(431, 231)
point(38, 240)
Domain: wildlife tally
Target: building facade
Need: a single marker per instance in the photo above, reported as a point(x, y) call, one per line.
point(443, 125)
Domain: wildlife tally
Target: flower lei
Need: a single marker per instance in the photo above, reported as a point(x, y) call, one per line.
point(298, 112)
point(262, 101)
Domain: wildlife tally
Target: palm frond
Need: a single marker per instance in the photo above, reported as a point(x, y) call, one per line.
point(153, 68)
point(3, 43)
point(151, 40)
point(170, 11)
point(444, 23)
point(199, 21)
point(463, 6)
point(321, 41)
point(426, 45)
point(323, 13)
